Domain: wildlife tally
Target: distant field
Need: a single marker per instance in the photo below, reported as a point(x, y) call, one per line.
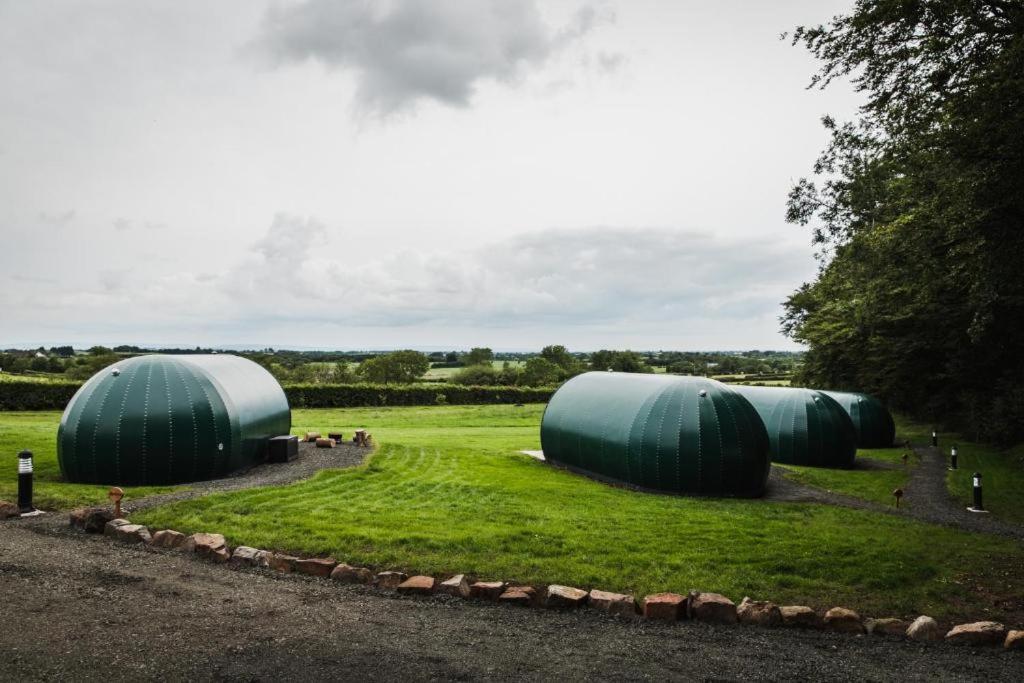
point(40, 378)
point(446, 373)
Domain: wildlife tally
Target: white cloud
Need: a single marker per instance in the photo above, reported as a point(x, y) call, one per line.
point(404, 51)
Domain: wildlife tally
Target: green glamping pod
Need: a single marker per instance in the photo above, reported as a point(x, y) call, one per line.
point(872, 421)
point(686, 435)
point(157, 420)
point(805, 427)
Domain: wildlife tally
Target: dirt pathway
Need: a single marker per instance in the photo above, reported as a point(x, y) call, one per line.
point(309, 461)
point(83, 608)
point(929, 499)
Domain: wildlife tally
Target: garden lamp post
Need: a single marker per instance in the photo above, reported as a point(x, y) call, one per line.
point(952, 458)
point(25, 482)
point(935, 439)
point(977, 507)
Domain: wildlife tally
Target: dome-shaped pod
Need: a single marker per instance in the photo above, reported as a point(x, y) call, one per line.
point(158, 420)
point(871, 420)
point(675, 434)
point(805, 427)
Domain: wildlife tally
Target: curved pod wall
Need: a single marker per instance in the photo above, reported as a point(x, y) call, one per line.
point(805, 427)
point(871, 420)
point(685, 435)
point(158, 420)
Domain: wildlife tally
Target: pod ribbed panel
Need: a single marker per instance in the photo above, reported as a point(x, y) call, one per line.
point(658, 432)
point(805, 427)
point(155, 420)
point(872, 422)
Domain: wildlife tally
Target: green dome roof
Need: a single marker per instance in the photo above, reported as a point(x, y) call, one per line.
point(676, 434)
point(872, 421)
point(157, 420)
point(805, 427)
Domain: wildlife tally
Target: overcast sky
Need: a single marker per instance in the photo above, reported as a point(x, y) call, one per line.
point(404, 173)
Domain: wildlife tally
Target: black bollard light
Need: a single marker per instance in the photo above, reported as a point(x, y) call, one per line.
point(25, 481)
point(935, 439)
point(952, 458)
point(977, 507)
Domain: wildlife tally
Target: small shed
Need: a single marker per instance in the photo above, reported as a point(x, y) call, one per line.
point(687, 435)
point(170, 419)
point(805, 427)
point(871, 419)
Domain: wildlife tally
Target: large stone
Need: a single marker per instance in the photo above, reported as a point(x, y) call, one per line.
point(244, 556)
point(168, 538)
point(843, 620)
point(665, 606)
point(418, 585)
point(96, 520)
point(1014, 640)
point(8, 510)
point(132, 533)
point(111, 527)
point(518, 595)
point(280, 562)
point(711, 607)
point(76, 518)
point(564, 597)
point(613, 603)
point(316, 566)
point(977, 633)
point(389, 580)
point(346, 573)
point(458, 586)
point(924, 628)
point(889, 626)
point(759, 613)
point(208, 546)
point(800, 616)
point(487, 590)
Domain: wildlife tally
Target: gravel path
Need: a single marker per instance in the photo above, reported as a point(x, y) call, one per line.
point(83, 608)
point(929, 499)
point(309, 461)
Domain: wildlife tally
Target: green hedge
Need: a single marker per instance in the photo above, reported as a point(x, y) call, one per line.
point(352, 395)
point(38, 396)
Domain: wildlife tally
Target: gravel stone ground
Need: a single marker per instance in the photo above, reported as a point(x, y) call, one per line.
point(310, 460)
point(929, 499)
point(84, 608)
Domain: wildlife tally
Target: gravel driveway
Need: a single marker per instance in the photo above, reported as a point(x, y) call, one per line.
point(83, 608)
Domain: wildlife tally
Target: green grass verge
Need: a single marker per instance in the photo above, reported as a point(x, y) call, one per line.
point(1002, 476)
point(870, 479)
point(37, 432)
point(447, 492)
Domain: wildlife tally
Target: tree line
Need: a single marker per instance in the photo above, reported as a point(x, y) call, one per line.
point(917, 209)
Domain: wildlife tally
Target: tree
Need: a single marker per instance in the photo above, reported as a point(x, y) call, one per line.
point(478, 356)
point(619, 361)
point(539, 371)
point(401, 367)
point(917, 208)
point(560, 356)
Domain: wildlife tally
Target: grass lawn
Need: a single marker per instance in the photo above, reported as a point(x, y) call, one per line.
point(447, 492)
point(869, 483)
point(1002, 476)
point(37, 431)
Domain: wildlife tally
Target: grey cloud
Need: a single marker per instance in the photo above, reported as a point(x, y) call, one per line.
point(588, 276)
point(123, 225)
point(406, 50)
point(58, 219)
point(609, 62)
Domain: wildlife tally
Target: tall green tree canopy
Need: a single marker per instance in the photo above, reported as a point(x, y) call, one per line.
point(397, 366)
point(917, 208)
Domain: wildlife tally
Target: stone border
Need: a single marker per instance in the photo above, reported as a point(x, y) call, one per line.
point(712, 608)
